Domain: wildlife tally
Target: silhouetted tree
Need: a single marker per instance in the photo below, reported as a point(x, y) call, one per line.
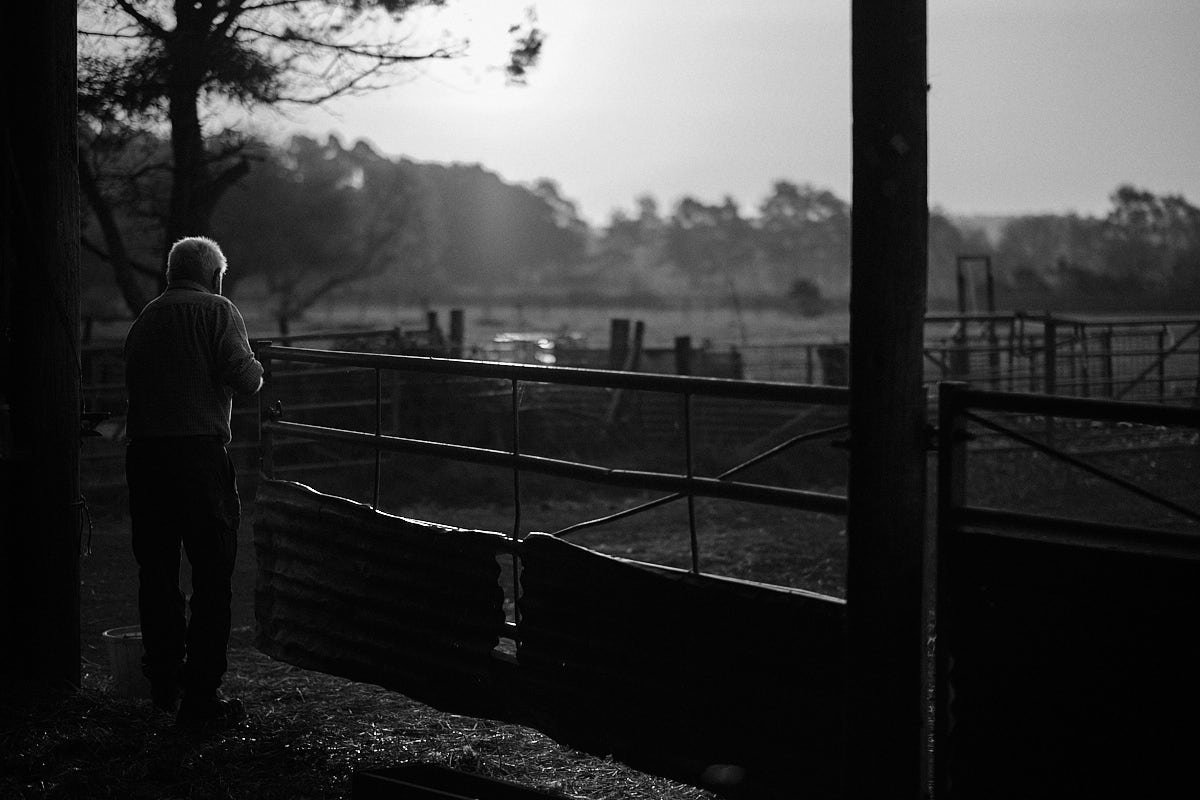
point(804, 232)
point(631, 257)
point(1038, 243)
point(709, 243)
point(169, 65)
point(316, 217)
point(1152, 239)
point(1144, 253)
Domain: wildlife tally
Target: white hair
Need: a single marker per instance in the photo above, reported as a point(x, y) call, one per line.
point(195, 258)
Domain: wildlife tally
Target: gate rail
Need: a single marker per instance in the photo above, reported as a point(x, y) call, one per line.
point(680, 485)
point(957, 406)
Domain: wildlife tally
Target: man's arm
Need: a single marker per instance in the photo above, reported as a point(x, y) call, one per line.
point(240, 371)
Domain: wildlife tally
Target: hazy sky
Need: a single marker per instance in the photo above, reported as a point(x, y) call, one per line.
point(1036, 105)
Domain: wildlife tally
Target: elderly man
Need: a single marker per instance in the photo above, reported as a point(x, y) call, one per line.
point(186, 356)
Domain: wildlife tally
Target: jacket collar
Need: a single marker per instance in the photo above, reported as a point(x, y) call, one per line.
point(186, 284)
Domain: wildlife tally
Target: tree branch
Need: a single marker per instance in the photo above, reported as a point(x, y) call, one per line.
point(143, 20)
point(104, 256)
point(384, 52)
point(221, 29)
point(226, 178)
point(123, 271)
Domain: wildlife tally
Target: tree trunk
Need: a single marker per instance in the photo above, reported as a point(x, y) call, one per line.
point(187, 212)
point(123, 272)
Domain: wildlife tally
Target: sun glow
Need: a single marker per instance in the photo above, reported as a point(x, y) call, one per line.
point(487, 28)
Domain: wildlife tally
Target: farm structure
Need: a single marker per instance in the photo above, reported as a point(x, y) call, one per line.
point(675, 670)
point(671, 670)
point(1123, 358)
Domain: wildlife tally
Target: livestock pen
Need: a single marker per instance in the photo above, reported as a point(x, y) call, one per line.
point(675, 670)
point(1062, 555)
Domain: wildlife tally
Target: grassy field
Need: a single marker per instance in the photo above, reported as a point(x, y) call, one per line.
point(723, 324)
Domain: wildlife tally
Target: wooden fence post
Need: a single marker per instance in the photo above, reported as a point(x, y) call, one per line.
point(1050, 357)
point(618, 343)
point(1085, 364)
point(458, 332)
point(632, 360)
point(435, 330)
point(683, 355)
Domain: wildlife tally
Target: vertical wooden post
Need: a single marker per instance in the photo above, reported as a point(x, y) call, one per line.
point(683, 355)
point(1012, 353)
point(618, 343)
point(1072, 353)
point(633, 359)
point(1050, 360)
point(886, 520)
point(1085, 366)
point(435, 330)
point(40, 502)
point(458, 332)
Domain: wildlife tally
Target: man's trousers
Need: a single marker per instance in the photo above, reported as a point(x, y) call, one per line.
point(183, 492)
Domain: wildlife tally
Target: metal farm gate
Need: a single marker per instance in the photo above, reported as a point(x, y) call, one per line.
point(671, 670)
point(1067, 647)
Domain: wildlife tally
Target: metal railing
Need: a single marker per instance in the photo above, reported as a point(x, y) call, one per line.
point(1132, 358)
point(683, 485)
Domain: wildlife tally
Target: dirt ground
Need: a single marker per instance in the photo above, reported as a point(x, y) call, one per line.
point(305, 736)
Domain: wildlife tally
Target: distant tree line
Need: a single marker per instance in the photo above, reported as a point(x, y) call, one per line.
point(1143, 255)
point(313, 218)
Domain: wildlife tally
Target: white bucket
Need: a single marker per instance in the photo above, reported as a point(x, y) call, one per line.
point(124, 647)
